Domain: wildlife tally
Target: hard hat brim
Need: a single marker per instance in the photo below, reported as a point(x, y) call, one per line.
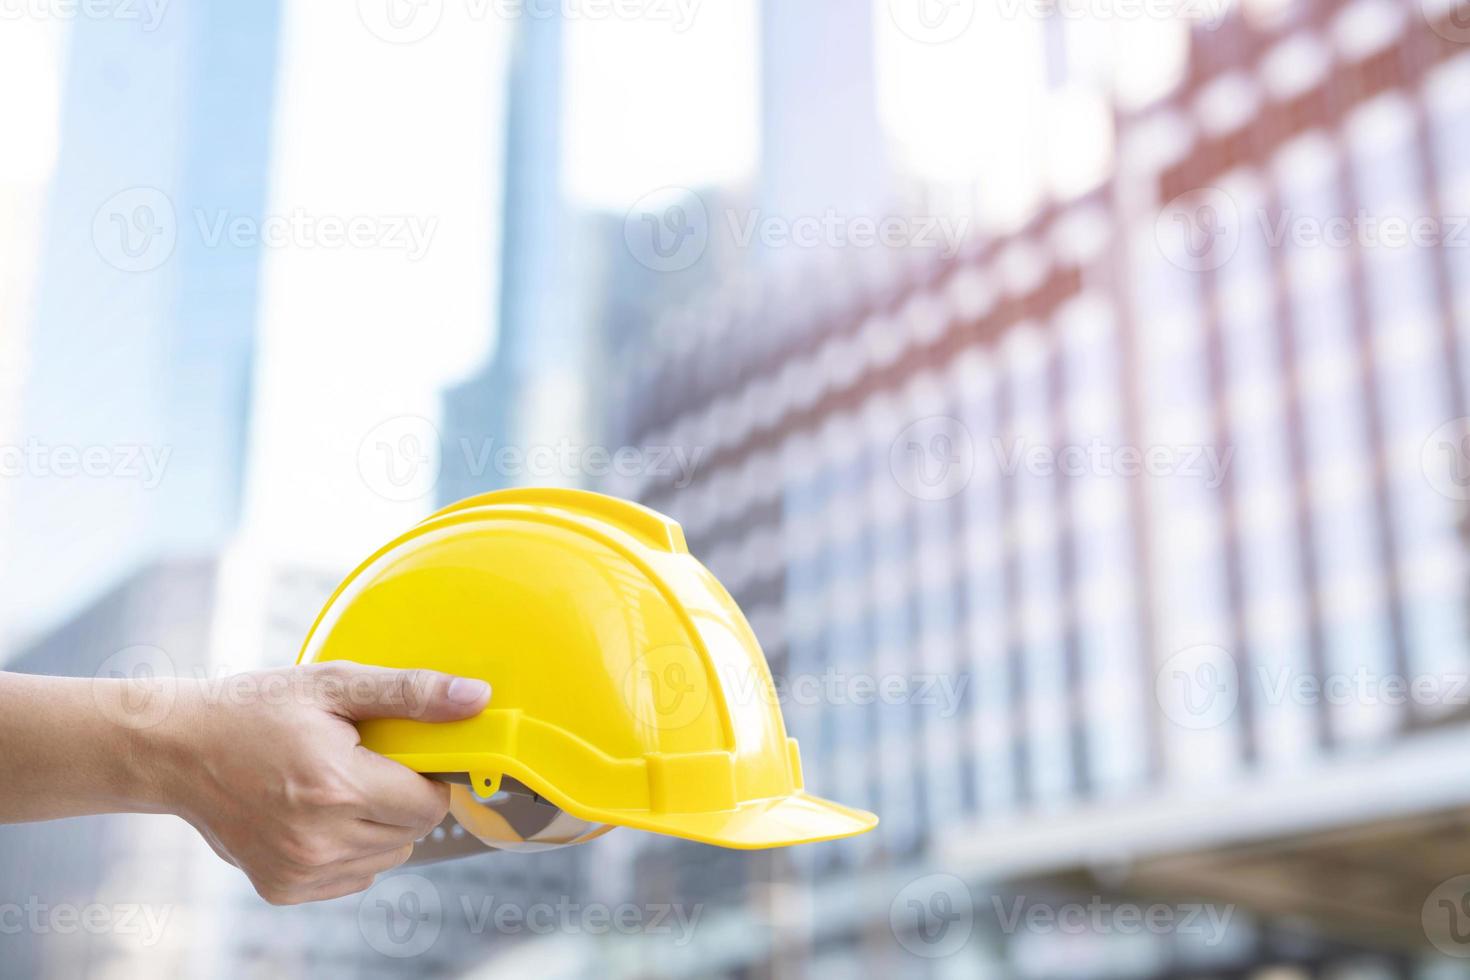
point(797, 819)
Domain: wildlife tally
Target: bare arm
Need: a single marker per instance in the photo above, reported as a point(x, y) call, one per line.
point(63, 757)
point(268, 767)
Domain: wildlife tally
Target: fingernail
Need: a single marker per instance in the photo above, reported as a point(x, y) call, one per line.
point(467, 690)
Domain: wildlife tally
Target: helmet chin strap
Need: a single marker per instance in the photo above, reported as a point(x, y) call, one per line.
point(446, 842)
point(513, 818)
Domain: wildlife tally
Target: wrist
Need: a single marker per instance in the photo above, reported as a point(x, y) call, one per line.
point(160, 749)
point(76, 746)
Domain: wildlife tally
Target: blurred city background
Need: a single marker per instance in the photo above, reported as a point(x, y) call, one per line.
point(1073, 393)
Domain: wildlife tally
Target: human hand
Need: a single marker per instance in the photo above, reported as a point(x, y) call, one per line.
point(280, 785)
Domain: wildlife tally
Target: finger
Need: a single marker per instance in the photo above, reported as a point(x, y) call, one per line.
point(367, 866)
point(359, 692)
point(357, 873)
point(395, 794)
point(336, 889)
point(370, 836)
point(376, 864)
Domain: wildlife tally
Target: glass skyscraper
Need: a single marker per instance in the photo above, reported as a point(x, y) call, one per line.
point(143, 331)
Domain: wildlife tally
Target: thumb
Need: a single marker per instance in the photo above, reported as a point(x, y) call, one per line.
point(359, 692)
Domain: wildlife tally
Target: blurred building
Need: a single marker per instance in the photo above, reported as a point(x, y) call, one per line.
point(143, 293)
point(821, 143)
point(531, 385)
point(1118, 476)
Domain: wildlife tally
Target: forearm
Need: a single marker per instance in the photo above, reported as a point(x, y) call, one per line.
point(270, 770)
point(73, 746)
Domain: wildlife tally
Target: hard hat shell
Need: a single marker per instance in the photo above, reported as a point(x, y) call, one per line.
point(628, 688)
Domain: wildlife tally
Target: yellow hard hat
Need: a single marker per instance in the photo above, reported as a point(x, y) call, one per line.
point(628, 687)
